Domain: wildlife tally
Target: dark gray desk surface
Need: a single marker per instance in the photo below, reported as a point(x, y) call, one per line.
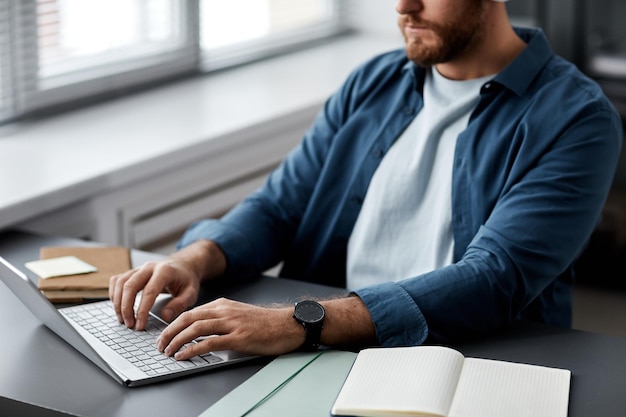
point(41, 375)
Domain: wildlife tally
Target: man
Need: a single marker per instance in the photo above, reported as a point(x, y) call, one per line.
point(450, 186)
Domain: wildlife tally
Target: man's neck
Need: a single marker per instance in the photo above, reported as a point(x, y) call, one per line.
point(498, 47)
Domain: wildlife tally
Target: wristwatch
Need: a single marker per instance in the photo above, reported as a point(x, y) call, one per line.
point(310, 314)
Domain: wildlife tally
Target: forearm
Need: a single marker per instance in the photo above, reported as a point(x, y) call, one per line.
point(348, 322)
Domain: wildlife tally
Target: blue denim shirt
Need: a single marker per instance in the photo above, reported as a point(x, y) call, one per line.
point(531, 173)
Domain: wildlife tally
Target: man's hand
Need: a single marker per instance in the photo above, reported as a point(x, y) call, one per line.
point(180, 275)
point(152, 278)
point(232, 325)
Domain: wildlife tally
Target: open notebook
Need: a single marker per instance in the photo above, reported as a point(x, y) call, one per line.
point(128, 356)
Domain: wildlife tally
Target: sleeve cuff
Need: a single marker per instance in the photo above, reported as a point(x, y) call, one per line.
point(398, 320)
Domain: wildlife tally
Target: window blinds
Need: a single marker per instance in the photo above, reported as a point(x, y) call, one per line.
point(7, 86)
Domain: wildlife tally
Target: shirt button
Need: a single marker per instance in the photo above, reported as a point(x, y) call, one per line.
point(357, 199)
point(378, 153)
point(408, 110)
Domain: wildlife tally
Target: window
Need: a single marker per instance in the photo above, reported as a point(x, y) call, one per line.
point(236, 31)
point(63, 52)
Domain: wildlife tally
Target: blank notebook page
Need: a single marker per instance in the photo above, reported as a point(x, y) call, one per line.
point(490, 388)
point(398, 380)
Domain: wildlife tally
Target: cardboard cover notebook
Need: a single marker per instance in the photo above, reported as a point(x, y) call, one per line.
point(439, 381)
point(109, 260)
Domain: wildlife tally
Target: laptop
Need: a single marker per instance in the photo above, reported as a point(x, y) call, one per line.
point(128, 356)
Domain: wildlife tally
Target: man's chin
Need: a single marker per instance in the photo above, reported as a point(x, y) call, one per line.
point(421, 56)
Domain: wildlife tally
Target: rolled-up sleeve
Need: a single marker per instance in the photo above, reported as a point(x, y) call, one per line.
point(397, 318)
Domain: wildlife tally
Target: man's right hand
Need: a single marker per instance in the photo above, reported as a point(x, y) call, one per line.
point(180, 275)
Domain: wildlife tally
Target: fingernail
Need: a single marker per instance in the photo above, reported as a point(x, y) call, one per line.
point(168, 351)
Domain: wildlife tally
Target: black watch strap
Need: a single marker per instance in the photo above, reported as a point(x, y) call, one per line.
point(312, 337)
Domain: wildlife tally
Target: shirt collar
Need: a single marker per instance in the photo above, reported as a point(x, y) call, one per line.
point(518, 75)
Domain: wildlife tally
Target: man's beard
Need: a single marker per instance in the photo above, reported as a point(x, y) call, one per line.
point(448, 40)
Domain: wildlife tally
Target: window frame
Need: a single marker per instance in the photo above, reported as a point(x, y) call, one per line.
point(98, 81)
point(30, 97)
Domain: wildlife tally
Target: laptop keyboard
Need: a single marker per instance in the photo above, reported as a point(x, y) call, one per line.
point(138, 347)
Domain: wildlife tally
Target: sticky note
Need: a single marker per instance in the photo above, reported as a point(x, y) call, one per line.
point(58, 267)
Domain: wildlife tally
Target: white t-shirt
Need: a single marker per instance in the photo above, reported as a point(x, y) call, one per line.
point(404, 227)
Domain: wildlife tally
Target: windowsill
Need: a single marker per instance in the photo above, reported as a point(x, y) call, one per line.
point(51, 163)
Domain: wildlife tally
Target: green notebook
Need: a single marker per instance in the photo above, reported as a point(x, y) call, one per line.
point(296, 384)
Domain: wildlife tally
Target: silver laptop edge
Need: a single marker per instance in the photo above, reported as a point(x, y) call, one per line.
point(43, 309)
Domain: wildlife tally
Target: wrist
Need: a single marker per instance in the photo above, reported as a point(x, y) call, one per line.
point(204, 258)
point(348, 322)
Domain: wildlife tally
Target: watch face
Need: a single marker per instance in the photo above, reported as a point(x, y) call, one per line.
point(309, 311)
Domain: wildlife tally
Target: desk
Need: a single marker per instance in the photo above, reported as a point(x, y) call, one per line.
point(59, 381)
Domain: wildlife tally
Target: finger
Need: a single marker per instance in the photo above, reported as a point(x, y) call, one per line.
point(172, 329)
point(188, 326)
point(127, 291)
point(193, 332)
point(187, 335)
point(154, 286)
point(116, 288)
point(148, 297)
point(178, 304)
point(207, 345)
point(112, 281)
